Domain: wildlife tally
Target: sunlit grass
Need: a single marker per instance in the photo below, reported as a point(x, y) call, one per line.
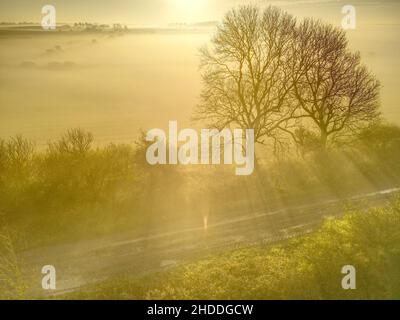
point(305, 268)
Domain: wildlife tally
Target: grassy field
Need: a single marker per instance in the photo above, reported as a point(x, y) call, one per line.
point(305, 268)
point(74, 191)
point(78, 192)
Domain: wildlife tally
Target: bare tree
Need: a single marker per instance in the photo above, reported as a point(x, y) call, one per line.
point(265, 72)
point(333, 90)
point(246, 74)
point(18, 151)
point(75, 141)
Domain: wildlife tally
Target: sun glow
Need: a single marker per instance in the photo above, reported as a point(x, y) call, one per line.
point(190, 9)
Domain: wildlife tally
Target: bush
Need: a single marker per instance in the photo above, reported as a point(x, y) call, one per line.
point(75, 190)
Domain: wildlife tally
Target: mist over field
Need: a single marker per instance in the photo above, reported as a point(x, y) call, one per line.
point(116, 85)
point(110, 85)
point(79, 194)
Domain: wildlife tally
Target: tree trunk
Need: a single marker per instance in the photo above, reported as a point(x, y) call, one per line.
point(324, 139)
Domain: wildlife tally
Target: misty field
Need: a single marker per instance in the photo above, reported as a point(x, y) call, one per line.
point(116, 85)
point(110, 85)
point(77, 190)
point(304, 268)
point(85, 208)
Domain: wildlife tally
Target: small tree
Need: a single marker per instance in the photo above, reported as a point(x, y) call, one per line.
point(19, 151)
point(74, 142)
point(333, 90)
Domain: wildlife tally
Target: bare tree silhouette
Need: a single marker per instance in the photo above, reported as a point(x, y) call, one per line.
point(75, 141)
point(246, 74)
point(268, 73)
point(333, 90)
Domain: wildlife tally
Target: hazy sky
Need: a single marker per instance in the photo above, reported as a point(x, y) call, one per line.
point(159, 12)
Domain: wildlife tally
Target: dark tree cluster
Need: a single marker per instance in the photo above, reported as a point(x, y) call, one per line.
point(290, 81)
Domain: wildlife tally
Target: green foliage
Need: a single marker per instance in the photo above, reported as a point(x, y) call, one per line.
point(305, 268)
point(73, 190)
point(12, 283)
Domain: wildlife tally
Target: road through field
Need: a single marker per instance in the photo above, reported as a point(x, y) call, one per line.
point(95, 260)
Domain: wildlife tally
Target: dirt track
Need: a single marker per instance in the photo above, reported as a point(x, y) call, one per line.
point(90, 261)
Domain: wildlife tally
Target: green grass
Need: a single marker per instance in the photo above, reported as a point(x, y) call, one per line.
point(304, 268)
